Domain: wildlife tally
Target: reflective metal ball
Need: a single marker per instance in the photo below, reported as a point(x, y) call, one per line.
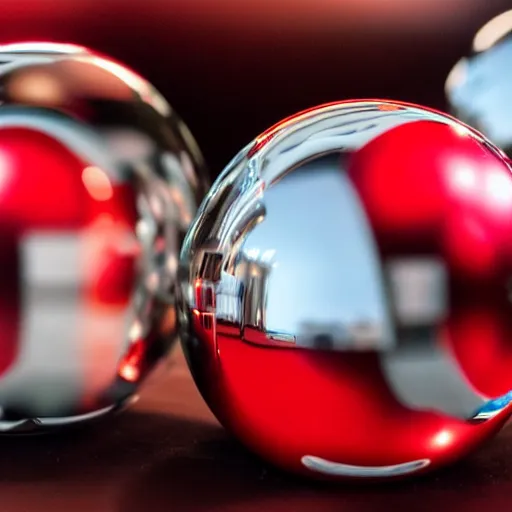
point(479, 87)
point(99, 180)
point(345, 305)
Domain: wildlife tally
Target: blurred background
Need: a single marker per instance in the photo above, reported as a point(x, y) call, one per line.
point(231, 68)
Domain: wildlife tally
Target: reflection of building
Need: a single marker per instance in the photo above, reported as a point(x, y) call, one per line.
point(241, 301)
point(340, 335)
point(255, 276)
point(366, 334)
point(229, 296)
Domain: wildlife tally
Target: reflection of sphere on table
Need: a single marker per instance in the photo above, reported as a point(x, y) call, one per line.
point(479, 87)
point(330, 284)
point(99, 180)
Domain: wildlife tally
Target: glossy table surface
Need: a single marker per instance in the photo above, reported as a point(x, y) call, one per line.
point(169, 453)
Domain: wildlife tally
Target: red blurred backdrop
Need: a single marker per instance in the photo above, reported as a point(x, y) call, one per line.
point(231, 68)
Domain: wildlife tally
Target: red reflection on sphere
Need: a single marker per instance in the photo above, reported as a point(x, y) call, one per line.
point(431, 189)
point(43, 194)
point(285, 404)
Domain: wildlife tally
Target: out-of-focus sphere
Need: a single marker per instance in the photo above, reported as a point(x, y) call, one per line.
point(99, 180)
point(346, 291)
point(479, 87)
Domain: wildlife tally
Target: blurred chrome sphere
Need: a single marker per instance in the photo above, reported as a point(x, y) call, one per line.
point(479, 87)
point(346, 291)
point(99, 180)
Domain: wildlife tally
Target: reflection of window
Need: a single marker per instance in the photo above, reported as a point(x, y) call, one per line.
point(418, 290)
point(41, 251)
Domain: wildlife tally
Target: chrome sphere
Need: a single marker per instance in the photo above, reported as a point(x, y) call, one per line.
point(99, 180)
point(479, 87)
point(346, 291)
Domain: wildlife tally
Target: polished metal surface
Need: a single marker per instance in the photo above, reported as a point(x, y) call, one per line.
point(100, 180)
point(479, 86)
point(370, 235)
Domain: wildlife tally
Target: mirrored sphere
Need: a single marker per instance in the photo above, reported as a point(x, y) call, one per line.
point(479, 87)
point(99, 181)
point(346, 291)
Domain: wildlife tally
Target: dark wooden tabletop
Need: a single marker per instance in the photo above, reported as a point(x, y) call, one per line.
point(168, 453)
